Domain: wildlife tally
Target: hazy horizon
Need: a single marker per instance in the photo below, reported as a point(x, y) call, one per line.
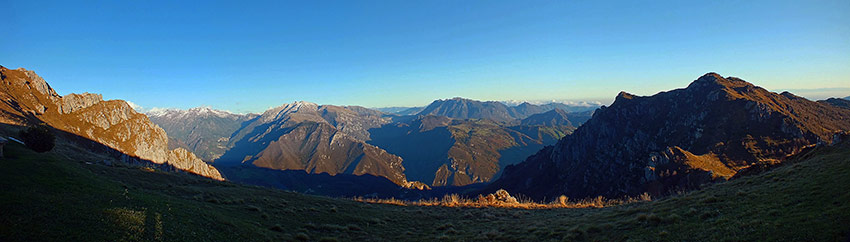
point(248, 57)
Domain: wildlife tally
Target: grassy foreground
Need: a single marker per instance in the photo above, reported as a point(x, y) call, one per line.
point(52, 197)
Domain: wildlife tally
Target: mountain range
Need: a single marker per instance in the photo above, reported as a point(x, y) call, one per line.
point(675, 140)
point(430, 150)
point(462, 108)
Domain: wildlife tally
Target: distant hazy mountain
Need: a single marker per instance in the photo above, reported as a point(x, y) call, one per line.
point(401, 110)
point(202, 130)
point(551, 118)
point(580, 107)
point(569, 106)
point(471, 109)
point(462, 108)
point(838, 102)
point(440, 151)
point(675, 140)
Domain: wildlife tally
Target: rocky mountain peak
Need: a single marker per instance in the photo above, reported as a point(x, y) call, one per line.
point(208, 111)
point(34, 81)
point(286, 109)
point(712, 81)
point(624, 96)
point(73, 102)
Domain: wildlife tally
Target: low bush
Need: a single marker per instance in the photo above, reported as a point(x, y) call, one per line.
point(38, 138)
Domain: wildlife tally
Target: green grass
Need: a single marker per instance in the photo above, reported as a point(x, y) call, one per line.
point(50, 197)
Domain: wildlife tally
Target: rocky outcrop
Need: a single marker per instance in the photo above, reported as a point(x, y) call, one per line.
point(28, 99)
point(675, 140)
point(73, 102)
point(191, 163)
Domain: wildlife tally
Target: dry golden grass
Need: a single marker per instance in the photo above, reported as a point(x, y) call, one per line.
point(455, 200)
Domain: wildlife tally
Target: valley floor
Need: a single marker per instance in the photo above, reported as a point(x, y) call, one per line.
point(53, 197)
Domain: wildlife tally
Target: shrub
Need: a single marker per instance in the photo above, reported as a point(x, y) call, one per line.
point(562, 200)
point(38, 138)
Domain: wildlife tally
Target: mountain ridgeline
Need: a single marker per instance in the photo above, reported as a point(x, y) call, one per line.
point(675, 140)
point(462, 108)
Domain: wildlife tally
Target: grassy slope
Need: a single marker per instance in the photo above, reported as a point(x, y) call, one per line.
point(47, 197)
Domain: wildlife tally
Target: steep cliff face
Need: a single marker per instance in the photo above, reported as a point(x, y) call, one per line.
point(317, 139)
point(28, 99)
point(675, 140)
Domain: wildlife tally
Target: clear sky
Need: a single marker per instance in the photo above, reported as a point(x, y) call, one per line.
point(247, 56)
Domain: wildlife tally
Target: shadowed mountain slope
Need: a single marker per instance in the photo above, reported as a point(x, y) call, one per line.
point(550, 118)
point(675, 140)
point(837, 102)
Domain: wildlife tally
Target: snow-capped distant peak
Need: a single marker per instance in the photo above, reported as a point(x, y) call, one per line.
point(198, 111)
point(158, 112)
point(205, 110)
point(283, 110)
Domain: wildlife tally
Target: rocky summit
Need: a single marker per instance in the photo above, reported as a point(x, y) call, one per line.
point(675, 140)
point(28, 99)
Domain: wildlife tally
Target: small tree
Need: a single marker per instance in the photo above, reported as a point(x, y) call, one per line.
point(38, 138)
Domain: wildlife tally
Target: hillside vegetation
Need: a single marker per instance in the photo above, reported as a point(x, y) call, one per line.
point(58, 196)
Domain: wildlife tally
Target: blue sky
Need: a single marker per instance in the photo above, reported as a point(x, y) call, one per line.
point(247, 56)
